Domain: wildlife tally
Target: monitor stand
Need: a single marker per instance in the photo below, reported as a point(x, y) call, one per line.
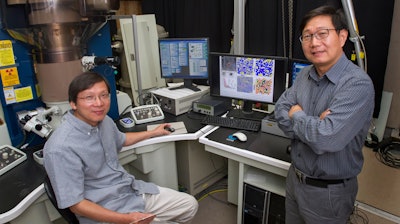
point(187, 83)
point(247, 112)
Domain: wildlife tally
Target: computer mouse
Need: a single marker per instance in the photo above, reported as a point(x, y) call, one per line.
point(170, 129)
point(240, 135)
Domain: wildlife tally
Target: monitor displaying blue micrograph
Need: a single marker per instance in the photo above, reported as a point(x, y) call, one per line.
point(252, 78)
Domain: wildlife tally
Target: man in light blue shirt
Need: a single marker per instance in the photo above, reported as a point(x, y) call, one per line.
point(327, 114)
point(81, 160)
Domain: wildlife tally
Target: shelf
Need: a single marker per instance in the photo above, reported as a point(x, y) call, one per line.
point(265, 180)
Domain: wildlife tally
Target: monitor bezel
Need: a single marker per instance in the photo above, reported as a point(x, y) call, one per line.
point(215, 85)
point(292, 61)
point(186, 39)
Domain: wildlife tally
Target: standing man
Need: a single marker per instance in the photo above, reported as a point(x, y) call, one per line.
point(326, 113)
point(81, 160)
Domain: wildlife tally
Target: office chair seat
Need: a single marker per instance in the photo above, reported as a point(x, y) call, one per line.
point(66, 212)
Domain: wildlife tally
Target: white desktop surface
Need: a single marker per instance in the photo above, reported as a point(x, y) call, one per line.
point(239, 154)
point(168, 138)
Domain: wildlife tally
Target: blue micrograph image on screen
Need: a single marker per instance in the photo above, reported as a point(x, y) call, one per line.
point(264, 67)
point(244, 66)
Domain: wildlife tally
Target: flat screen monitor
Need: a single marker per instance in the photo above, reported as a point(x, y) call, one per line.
point(251, 78)
point(184, 58)
point(296, 66)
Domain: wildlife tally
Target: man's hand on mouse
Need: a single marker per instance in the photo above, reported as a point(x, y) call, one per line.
point(162, 129)
point(169, 128)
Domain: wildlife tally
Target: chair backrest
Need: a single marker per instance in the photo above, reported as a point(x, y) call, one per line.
point(65, 213)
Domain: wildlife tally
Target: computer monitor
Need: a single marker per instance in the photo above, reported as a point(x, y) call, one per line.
point(184, 58)
point(251, 78)
point(296, 66)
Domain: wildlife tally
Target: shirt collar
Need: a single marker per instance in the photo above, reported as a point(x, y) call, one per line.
point(334, 73)
point(79, 124)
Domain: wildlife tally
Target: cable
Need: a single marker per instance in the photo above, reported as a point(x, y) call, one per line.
point(121, 115)
point(126, 109)
point(212, 192)
point(284, 28)
point(389, 153)
point(155, 99)
point(358, 217)
point(23, 139)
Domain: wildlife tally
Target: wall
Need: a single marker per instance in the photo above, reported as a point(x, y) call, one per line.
point(392, 77)
point(130, 7)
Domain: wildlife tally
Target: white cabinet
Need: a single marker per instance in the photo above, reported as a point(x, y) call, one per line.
point(197, 168)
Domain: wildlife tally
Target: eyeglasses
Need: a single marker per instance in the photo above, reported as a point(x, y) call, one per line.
point(319, 35)
point(91, 99)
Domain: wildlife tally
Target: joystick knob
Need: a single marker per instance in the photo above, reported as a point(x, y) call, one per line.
point(4, 155)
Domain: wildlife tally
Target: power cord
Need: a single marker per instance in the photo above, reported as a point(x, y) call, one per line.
point(358, 217)
point(388, 152)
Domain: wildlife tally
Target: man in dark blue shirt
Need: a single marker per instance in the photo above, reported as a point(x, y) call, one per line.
point(327, 114)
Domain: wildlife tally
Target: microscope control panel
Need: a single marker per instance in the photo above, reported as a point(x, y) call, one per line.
point(147, 113)
point(10, 157)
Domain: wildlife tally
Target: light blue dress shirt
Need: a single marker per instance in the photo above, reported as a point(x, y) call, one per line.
point(82, 163)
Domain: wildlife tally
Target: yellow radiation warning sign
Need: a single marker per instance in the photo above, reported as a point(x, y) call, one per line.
point(6, 53)
point(9, 76)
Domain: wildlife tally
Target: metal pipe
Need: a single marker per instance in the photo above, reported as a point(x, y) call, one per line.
point(137, 60)
point(239, 26)
point(353, 30)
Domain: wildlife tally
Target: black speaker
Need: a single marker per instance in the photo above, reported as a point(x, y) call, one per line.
point(262, 207)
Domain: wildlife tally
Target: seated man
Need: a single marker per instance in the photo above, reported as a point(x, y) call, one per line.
point(81, 159)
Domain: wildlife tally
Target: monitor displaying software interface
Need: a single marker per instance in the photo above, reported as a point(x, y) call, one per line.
point(184, 58)
point(248, 77)
point(297, 66)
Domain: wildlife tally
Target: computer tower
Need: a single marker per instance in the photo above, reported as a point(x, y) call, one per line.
point(262, 207)
point(276, 211)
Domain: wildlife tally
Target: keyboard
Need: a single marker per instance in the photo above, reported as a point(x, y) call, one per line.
point(242, 124)
point(254, 115)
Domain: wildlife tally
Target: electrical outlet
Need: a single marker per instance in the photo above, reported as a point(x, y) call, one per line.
point(395, 133)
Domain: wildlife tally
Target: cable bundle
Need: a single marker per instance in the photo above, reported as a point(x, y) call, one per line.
point(389, 152)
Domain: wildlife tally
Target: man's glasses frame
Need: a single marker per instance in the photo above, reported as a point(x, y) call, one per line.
point(92, 98)
point(319, 35)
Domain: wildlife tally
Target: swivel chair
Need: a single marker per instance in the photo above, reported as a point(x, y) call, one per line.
point(65, 213)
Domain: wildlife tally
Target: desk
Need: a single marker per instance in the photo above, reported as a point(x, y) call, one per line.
point(21, 187)
point(23, 198)
point(182, 159)
point(262, 161)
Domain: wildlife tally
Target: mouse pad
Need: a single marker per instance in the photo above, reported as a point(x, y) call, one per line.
point(179, 127)
point(258, 142)
point(223, 135)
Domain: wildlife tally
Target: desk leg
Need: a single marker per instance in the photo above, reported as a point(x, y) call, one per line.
point(240, 193)
point(233, 181)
